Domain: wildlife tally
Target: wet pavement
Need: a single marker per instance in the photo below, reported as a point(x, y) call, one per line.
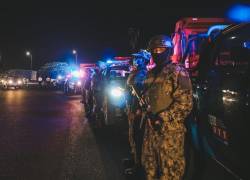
point(44, 135)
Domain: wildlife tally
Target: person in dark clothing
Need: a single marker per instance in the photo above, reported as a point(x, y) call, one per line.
point(136, 128)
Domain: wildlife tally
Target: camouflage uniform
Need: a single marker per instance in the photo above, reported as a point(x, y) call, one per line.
point(170, 95)
point(96, 87)
point(136, 79)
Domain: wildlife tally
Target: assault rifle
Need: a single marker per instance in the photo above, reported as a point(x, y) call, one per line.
point(154, 120)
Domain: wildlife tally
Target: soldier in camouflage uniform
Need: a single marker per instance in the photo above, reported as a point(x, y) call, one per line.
point(168, 93)
point(136, 128)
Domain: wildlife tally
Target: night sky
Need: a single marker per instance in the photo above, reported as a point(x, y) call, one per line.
point(50, 29)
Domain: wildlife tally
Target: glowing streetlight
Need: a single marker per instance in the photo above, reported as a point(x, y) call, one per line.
point(29, 55)
point(75, 53)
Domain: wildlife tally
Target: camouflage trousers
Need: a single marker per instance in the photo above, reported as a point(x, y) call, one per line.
point(135, 135)
point(163, 155)
point(131, 118)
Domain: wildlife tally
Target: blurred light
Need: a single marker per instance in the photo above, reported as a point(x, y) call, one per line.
point(79, 83)
point(233, 37)
point(68, 75)
point(122, 58)
point(40, 79)
point(216, 27)
point(10, 81)
point(239, 13)
point(117, 92)
point(59, 77)
point(195, 19)
point(246, 44)
point(19, 82)
point(82, 73)
point(74, 52)
point(28, 53)
point(226, 99)
point(109, 61)
point(76, 73)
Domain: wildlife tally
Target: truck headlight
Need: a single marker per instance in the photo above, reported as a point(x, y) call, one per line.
point(79, 83)
point(10, 82)
point(117, 92)
point(40, 79)
point(19, 82)
point(59, 77)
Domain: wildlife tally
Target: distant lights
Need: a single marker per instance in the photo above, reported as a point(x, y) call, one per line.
point(216, 27)
point(239, 13)
point(79, 83)
point(59, 77)
point(233, 37)
point(28, 53)
point(246, 44)
point(76, 73)
point(74, 51)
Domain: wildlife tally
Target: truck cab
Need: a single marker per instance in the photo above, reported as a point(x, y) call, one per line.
point(189, 35)
point(221, 98)
point(216, 53)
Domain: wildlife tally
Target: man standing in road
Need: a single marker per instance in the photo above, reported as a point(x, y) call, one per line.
point(168, 93)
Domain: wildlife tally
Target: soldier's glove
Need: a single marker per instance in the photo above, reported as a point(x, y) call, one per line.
point(155, 121)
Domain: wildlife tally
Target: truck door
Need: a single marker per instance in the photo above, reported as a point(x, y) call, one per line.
point(227, 100)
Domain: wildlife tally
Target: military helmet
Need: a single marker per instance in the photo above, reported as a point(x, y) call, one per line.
point(160, 41)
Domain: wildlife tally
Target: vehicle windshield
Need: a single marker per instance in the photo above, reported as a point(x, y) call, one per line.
point(118, 72)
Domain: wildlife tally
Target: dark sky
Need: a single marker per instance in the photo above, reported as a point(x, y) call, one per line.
point(51, 29)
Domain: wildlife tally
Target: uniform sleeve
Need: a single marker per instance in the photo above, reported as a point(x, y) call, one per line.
point(182, 97)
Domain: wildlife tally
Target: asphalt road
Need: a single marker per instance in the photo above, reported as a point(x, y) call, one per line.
point(45, 136)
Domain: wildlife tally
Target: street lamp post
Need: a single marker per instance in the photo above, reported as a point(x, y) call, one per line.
point(30, 55)
point(75, 53)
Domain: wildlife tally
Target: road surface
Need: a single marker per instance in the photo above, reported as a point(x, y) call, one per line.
point(45, 136)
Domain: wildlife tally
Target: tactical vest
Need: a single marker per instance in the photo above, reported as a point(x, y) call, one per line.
point(159, 90)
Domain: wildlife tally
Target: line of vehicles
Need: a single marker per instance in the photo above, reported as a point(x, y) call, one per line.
point(17, 78)
point(217, 55)
point(216, 52)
